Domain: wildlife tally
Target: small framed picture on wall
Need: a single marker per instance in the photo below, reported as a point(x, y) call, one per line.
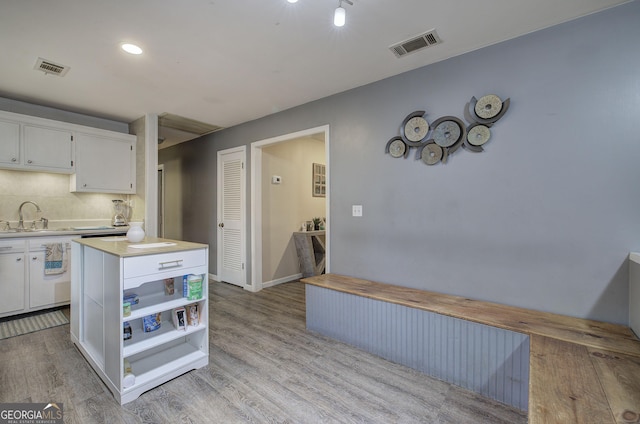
point(319, 182)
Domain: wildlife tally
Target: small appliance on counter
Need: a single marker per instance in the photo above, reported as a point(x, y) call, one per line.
point(119, 219)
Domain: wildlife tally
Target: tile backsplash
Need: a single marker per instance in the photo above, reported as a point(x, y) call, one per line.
point(51, 193)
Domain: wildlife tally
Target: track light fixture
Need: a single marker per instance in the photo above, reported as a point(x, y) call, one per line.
point(340, 15)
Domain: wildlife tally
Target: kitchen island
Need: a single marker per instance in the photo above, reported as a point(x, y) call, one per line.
point(160, 330)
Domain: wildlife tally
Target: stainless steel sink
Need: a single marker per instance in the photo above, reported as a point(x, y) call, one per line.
point(32, 230)
point(46, 230)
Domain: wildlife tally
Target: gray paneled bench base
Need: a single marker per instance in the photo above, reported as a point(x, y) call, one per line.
point(578, 370)
point(487, 360)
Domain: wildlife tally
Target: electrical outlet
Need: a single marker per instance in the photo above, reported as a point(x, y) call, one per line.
point(356, 210)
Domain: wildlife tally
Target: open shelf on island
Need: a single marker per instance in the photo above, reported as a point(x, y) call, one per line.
point(167, 332)
point(162, 366)
point(149, 306)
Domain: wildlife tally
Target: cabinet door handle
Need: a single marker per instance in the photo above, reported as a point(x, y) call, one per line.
point(14, 160)
point(34, 258)
point(171, 264)
point(29, 161)
point(18, 259)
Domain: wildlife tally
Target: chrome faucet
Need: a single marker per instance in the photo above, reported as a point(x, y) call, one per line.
point(21, 221)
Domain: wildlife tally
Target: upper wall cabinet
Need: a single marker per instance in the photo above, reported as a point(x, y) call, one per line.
point(47, 149)
point(33, 147)
point(99, 161)
point(9, 144)
point(28, 143)
point(105, 163)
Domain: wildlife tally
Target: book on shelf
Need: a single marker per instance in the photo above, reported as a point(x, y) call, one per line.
point(179, 318)
point(193, 316)
point(194, 287)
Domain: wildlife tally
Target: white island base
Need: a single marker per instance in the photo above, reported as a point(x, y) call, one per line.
point(103, 272)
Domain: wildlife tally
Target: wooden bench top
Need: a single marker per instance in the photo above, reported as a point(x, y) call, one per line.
point(600, 335)
point(580, 371)
point(570, 383)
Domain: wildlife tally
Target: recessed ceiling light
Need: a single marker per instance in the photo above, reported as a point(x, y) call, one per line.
point(131, 48)
point(292, 1)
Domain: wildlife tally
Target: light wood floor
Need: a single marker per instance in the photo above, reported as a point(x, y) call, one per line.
point(264, 367)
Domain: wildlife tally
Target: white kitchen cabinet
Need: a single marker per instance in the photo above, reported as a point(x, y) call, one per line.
point(98, 160)
point(105, 163)
point(103, 272)
point(28, 143)
point(9, 143)
point(24, 287)
point(47, 148)
point(12, 277)
point(46, 291)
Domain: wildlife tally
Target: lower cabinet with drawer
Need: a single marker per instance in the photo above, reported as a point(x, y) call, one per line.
point(138, 315)
point(29, 280)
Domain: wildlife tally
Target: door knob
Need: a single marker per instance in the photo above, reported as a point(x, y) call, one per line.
point(221, 225)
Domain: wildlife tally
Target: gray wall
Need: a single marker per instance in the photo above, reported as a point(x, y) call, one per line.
point(190, 194)
point(544, 219)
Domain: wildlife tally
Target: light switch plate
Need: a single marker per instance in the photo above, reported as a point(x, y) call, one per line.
point(356, 210)
point(276, 179)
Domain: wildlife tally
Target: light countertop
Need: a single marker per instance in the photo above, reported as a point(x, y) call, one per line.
point(120, 246)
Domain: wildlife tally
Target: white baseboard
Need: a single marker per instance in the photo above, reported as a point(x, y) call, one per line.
point(281, 280)
point(266, 284)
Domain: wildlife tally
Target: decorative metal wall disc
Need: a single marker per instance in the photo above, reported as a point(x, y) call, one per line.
point(414, 128)
point(488, 106)
point(478, 135)
point(396, 148)
point(431, 154)
point(447, 133)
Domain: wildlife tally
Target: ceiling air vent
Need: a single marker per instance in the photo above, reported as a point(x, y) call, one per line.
point(48, 67)
point(422, 41)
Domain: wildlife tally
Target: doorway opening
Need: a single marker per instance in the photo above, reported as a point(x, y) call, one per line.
point(282, 200)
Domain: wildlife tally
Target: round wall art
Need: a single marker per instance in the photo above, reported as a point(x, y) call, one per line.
point(435, 142)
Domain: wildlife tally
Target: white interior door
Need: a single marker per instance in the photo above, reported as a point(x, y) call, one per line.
point(231, 216)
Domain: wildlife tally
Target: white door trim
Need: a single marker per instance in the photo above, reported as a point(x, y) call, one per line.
point(151, 174)
point(243, 213)
point(161, 201)
point(256, 199)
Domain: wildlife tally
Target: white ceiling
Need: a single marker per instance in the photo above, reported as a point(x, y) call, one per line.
point(225, 63)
